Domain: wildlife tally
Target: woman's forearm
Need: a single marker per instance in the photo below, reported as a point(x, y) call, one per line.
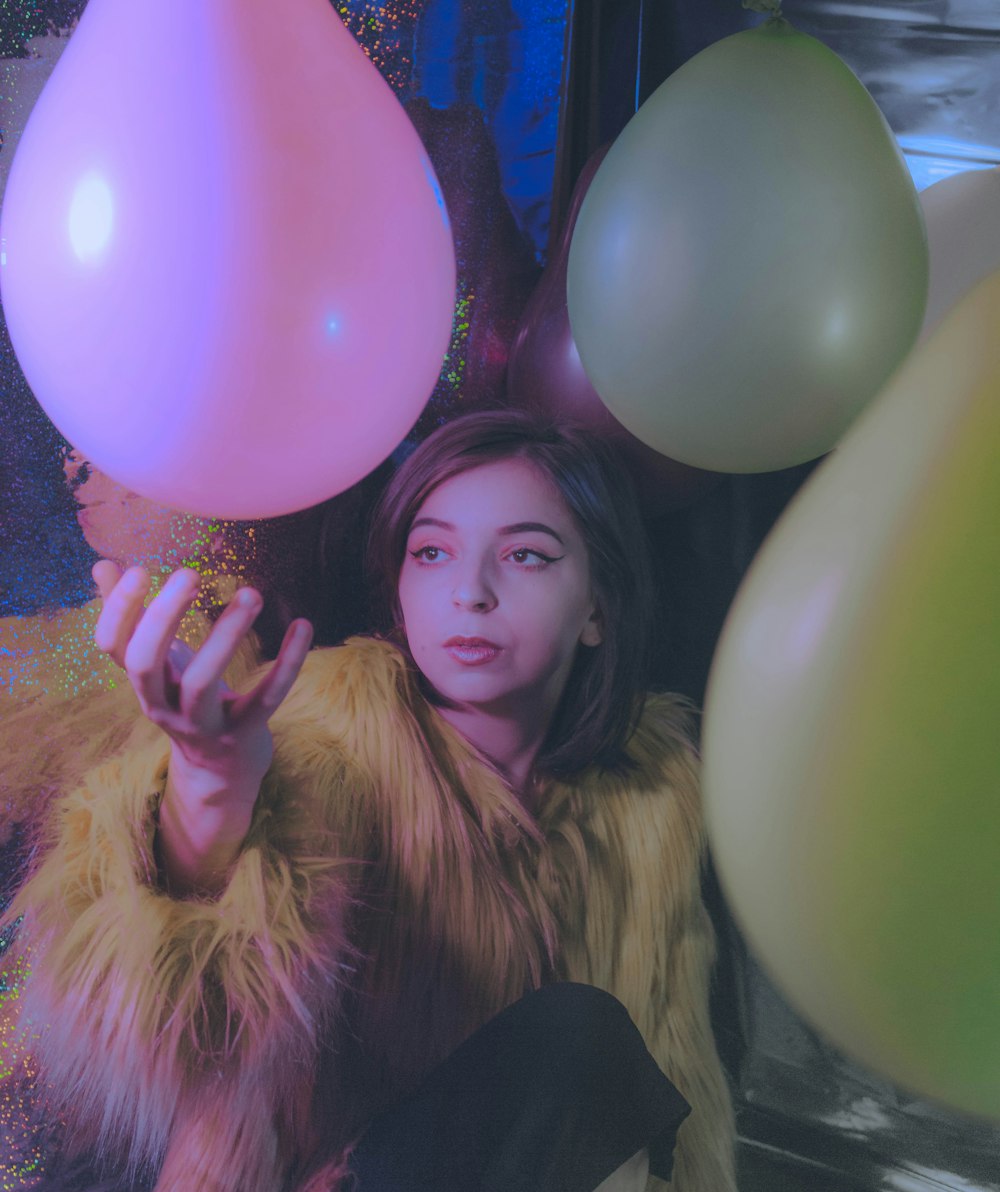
point(203, 821)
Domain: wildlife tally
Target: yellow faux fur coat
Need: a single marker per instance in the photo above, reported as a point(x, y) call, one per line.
point(391, 896)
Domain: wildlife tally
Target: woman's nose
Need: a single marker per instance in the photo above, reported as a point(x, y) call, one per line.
point(473, 589)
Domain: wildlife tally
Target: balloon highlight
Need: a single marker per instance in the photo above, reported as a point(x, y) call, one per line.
point(228, 271)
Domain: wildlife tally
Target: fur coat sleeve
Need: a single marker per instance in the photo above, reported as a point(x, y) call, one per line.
point(149, 1018)
point(640, 929)
point(184, 1035)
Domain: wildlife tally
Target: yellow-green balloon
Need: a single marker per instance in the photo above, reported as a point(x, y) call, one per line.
point(750, 262)
point(852, 729)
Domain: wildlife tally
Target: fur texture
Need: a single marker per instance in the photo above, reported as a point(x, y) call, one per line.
point(391, 897)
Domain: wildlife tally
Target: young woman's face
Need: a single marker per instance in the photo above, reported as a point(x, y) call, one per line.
point(495, 590)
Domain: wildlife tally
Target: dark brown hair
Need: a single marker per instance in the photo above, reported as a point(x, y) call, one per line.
point(606, 686)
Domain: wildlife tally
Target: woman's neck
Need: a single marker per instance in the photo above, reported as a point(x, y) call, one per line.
point(511, 744)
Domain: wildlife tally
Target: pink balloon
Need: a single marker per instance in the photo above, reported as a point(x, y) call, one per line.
point(545, 374)
point(227, 266)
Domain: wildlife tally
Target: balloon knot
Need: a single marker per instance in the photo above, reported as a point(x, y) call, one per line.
point(771, 7)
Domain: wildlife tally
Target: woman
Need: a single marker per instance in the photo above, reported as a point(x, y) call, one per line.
point(283, 908)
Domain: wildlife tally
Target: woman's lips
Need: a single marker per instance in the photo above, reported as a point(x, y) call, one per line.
point(472, 651)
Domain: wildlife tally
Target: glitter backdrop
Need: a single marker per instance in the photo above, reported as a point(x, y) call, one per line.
point(481, 81)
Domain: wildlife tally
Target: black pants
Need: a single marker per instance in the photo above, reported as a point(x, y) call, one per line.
point(552, 1095)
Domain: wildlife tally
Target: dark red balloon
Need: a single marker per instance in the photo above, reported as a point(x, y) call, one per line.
point(545, 373)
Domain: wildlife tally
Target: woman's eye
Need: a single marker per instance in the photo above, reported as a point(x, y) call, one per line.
point(426, 554)
point(523, 554)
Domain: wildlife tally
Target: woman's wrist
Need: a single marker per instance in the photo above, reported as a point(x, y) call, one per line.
point(218, 783)
point(204, 818)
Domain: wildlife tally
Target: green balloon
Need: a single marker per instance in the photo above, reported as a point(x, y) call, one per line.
point(750, 262)
point(852, 750)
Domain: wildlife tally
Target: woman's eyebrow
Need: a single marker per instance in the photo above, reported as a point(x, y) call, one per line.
point(523, 527)
point(432, 521)
point(516, 528)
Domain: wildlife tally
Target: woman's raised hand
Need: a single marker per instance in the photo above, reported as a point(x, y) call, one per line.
point(221, 745)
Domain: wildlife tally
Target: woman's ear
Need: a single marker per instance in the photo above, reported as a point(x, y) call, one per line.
point(593, 631)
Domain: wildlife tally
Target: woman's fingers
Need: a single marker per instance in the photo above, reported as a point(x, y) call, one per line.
point(106, 574)
point(122, 607)
point(146, 652)
point(261, 703)
point(179, 687)
point(199, 698)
